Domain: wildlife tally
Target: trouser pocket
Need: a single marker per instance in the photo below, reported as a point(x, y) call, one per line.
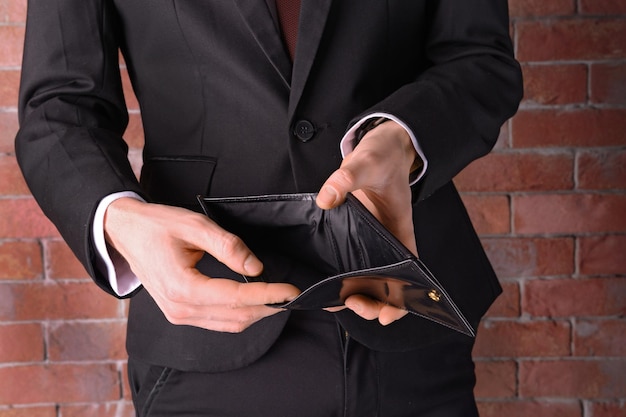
point(146, 382)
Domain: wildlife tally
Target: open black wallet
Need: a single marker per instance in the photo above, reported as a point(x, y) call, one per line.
point(332, 254)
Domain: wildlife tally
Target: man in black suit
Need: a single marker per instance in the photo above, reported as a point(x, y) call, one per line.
point(234, 103)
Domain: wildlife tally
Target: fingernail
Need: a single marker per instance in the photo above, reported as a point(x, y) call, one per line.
point(328, 195)
point(384, 321)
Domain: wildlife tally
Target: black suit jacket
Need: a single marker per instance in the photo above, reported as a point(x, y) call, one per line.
point(222, 108)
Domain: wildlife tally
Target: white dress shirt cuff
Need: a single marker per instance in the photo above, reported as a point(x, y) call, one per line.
point(122, 280)
point(347, 142)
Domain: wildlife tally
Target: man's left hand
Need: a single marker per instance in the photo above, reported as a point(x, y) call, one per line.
point(377, 173)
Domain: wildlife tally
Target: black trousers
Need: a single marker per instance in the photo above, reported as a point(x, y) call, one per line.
point(316, 370)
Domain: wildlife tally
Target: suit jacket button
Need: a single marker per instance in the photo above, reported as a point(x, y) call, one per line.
point(304, 130)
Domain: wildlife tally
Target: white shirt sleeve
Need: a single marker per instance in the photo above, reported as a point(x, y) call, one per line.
point(122, 280)
point(347, 142)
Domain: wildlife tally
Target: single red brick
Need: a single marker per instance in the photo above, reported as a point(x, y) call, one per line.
point(575, 297)
point(490, 214)
point(528, 8)
point(22, 218)
point(21, 343)
point(12, 45)
point(110, 409)
point(555, 84)
point(600, 338)
point(569, 213)
point(534, 408)
point(14, 10)
point(508, 303)
point(608, 83)
point(607, 409)
point(600, 255)
point(495, 379)
point(35, 411)
point(571, 39)
point(61, 261)
point(90, 341)
point(58, 383)
point(593, 379)
point(510, 339)
point(126, 391)
point(9, 83)
point(20, 260)
point(602, 169)
point(523, 257)
point(11, 179)
point(8, 130)
point(516, 171)
point(603, 7)
point(566, 128)
point(54, 300)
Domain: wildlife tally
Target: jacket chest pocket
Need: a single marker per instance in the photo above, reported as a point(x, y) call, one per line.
point(177, 180)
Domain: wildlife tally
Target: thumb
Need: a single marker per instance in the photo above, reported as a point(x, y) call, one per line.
point(206, 235)
point(327, 197)
point(337, 186)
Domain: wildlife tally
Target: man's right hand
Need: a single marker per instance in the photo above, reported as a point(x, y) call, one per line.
point(163, 244)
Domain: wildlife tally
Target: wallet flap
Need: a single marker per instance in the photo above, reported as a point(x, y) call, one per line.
point(332, 254)
point(406, 285)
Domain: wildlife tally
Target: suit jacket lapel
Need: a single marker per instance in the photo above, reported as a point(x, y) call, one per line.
point(261, 23)
point(313, 17)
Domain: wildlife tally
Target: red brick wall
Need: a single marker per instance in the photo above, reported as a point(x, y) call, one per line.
point(549, 203)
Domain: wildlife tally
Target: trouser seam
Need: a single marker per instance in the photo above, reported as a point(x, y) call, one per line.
point(165, 373)
point(379, 387)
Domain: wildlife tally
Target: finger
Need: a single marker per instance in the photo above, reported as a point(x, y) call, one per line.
point(221, 304)
point(224, 246)
point(366, 307)
point(333, 191)
point(334, 309)
point(371, 309)
point(201, 290)
point(229, 326)
point(244, 316)
point(261, 293)
point(388, 314)
point(360, 169)
point(218, 318)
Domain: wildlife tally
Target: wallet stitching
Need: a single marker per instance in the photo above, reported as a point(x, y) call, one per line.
point(265, 197)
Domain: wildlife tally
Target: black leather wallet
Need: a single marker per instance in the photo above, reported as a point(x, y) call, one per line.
point(332, 254)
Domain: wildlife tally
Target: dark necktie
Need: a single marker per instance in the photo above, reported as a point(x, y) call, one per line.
point(288, 15)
